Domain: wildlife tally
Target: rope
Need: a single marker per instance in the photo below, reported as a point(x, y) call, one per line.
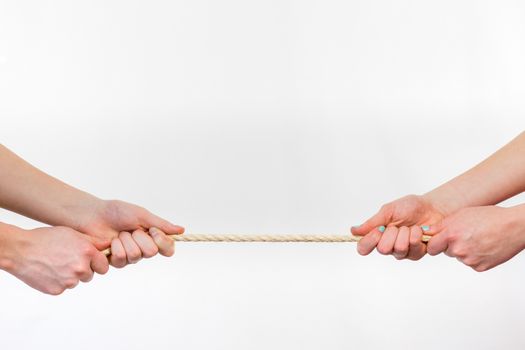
point(317, 238)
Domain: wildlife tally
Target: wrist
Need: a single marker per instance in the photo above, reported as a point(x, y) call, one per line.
point(84, 213)
point(446, 199)
point(516, 222)
point(11, 240)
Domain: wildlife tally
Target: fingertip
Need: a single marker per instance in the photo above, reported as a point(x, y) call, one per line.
point(178, 229)
point(358, 230)
point(165, 244)
point(431, 249)
point(104, 268)
point(363, 250)
point(171, 251)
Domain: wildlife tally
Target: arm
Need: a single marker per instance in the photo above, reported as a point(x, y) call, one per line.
point(480, 237)
point(28, 191)
point(499, 177)
point(50, 259)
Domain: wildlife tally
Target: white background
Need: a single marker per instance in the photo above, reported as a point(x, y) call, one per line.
point(264, 117)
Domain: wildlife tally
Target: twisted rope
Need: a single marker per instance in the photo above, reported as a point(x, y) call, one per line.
point(264, 238)
point(306, 238)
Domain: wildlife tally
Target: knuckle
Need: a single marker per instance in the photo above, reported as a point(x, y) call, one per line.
point(134, 257)
point(383, 250)
point(137, 232)
point(416, 257)
point(431, 250)
point(87, 250)
point(70, 283)
point(472, 262)
point(79, 269)
point(479, 268)
point(119, 255)
point(401, 250)
point(453, 237)
point(118, 264)
point(170, 251)
point(150, 252)
point(54, 290)
point(458, 251)
point(414, 241)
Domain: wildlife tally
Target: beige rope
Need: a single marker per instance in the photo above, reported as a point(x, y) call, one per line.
point(317, 238)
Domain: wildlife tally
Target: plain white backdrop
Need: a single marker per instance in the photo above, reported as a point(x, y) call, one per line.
point(264, 117)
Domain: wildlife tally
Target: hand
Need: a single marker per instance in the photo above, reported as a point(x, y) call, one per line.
point(403, 219)
point(126, 225)
point(480, 237)
point(53, 259)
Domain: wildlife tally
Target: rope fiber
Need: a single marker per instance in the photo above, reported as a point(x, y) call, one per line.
point(268, 238)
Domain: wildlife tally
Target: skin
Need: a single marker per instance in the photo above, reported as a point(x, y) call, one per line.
point(480, 237)
point(402, 237)
point(50, 259)
point(132, 231)
point(461, 214)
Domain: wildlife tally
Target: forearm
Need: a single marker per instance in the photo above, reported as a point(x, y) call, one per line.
point(517, 220)
point(499, 177)
point(28, 191)
point(8, 241)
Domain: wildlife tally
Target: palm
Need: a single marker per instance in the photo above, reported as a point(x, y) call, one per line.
point(408, 211)
point(114, 217)
point(411, 210)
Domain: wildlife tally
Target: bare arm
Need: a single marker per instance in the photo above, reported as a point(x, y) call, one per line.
point(499, 177)
point(28, 191)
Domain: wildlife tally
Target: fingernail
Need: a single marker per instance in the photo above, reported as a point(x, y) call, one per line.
point(356, 226)
point(153, 231)
point(425, 227)
point(382, 229)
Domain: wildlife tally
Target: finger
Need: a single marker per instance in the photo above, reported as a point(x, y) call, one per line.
point(99, 263)
point(435, 228)
point(387, 241)
point(448, 252)
point(165, 244)
point(401, 245)
point(145, 243)
point(133, 252)
point(118, 254)
point(438, 243)
point(152, 220)
point(71, 284)
point(379, 219)
point(416, 248)
point(87, 274)
point(368, 243)
point(99, 243)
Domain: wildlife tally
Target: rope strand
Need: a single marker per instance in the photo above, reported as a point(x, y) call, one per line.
point(271, 238)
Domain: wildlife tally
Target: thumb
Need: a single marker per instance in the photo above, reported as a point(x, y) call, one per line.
point(99, 243)
point(167, 227)
point(379, 219)
point(435, 228)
